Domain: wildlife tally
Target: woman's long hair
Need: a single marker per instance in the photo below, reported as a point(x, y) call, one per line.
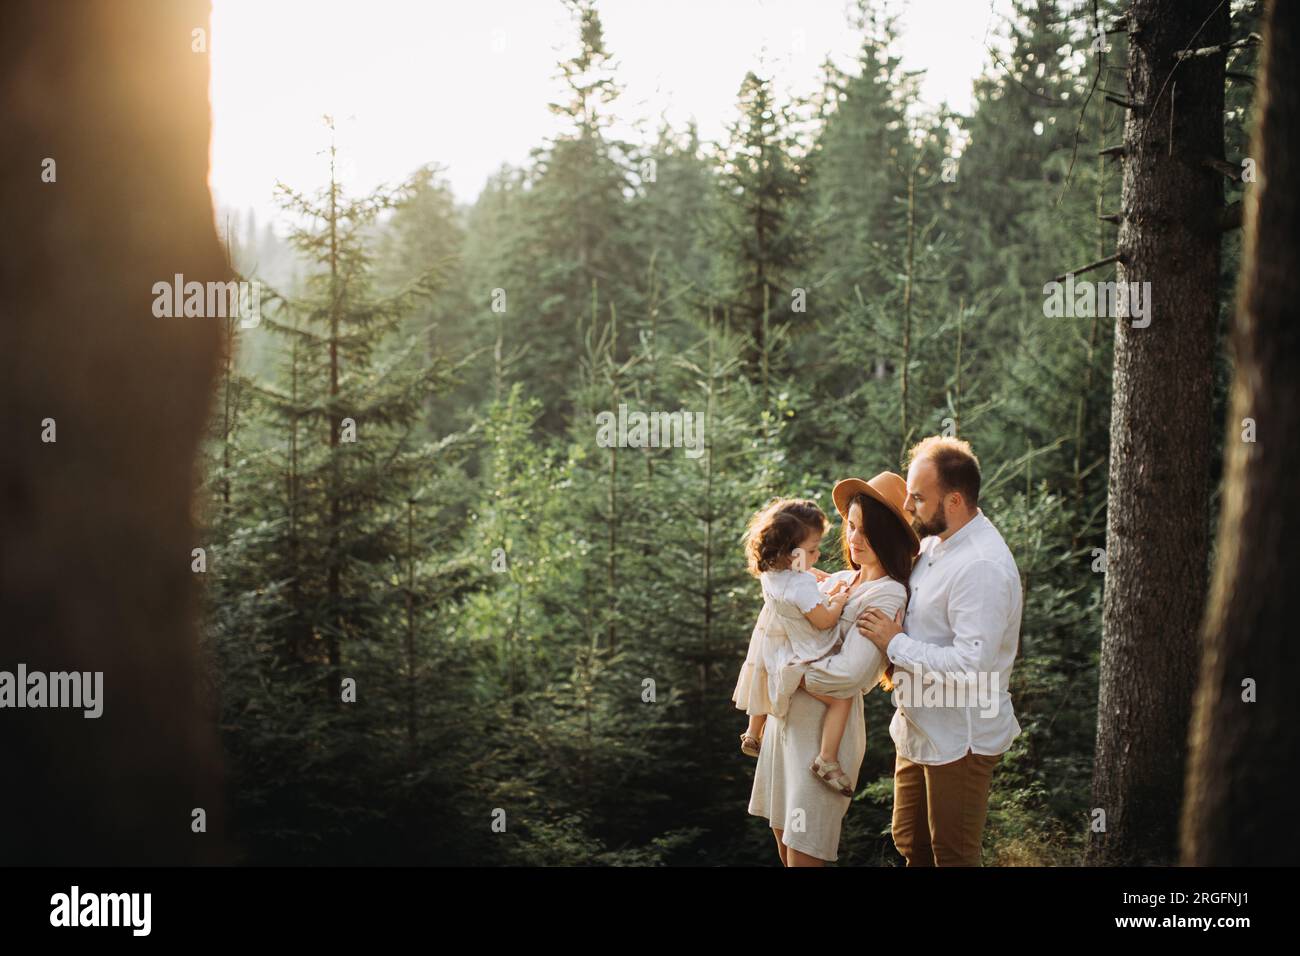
point(888, 537)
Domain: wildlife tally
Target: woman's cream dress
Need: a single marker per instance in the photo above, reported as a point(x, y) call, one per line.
point(786, 792)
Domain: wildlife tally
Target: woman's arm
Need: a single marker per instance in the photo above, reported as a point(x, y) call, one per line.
point(859, 664)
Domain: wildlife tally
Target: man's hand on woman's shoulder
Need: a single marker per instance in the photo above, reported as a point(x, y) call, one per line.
point(879, 628)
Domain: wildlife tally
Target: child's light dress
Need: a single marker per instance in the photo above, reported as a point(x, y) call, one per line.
point(783, 643)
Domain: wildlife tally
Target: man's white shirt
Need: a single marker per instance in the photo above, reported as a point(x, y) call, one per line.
point(963, 618)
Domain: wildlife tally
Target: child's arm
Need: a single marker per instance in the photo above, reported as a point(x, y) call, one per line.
point(858, 665)
point(824, 617)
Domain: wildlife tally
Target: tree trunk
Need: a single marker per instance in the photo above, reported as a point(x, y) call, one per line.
point(1157, 516)
point(412, 699)
point(611, 558)
point(334, 582)
point(1239, 809)
point(904, 430)
point(1081, 407)
point(97, 525)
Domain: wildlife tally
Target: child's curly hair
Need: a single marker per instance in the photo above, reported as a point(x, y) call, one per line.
point(780, 527)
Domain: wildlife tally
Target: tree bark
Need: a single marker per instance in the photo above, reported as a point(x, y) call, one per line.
point(96, 527)
point(1157, 530)
point(1239, 808)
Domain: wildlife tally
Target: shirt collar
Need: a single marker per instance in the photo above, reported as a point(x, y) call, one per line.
point(944, 546)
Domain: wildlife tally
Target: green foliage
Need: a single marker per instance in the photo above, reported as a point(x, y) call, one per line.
point(545, 631)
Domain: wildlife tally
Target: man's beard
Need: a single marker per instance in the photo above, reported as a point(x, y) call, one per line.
point(936, 525)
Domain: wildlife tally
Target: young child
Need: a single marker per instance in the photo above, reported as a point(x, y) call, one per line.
point(796, 626)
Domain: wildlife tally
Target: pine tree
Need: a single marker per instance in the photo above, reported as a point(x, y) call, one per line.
point(575, 220)
point(761, 232)
point(360, 411)
point(334, 502)
point(425, 237)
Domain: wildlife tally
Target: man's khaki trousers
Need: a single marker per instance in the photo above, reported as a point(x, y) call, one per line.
point(939, 811)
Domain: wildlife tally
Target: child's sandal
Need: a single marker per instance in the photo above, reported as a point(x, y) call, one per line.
point(831, 774)
point(750, 746)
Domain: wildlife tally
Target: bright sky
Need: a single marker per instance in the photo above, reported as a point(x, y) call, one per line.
point(466, 84)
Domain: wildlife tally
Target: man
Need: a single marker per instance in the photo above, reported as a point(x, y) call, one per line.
point(957, 642)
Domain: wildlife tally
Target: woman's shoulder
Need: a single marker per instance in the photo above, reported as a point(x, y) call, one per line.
point(885, 586)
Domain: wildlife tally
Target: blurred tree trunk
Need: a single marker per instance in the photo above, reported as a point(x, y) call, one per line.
point(1157, 531)
point(1239, 809)
point(96, 526)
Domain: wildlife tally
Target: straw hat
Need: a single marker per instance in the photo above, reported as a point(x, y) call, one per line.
point(887, 488)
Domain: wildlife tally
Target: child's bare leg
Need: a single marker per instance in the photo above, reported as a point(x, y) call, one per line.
point(833, 724)
point(756, 723)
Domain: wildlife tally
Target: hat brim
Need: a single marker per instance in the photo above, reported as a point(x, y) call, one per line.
point(847, 489)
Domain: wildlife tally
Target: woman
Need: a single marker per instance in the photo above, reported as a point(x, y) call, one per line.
point(879, 546)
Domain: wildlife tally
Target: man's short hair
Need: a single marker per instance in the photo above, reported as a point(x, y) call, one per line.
point(958, 468)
